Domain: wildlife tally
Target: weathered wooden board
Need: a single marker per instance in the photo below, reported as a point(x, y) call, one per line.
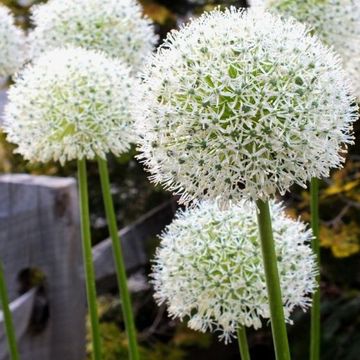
point(21, 309)
point(39, 228)
point(133, 240)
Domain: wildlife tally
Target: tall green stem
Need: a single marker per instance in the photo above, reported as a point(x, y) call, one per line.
point(243, 344)
point(88, 261)
point(315, 309)
point(272, 282)
point(9, 326)
point(119, 260)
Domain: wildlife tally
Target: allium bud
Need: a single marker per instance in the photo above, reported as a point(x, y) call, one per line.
point(242, 104)
point(12, 44)
point(71, 104)
point(209, 269)
point(116, 27)
point(336, 22)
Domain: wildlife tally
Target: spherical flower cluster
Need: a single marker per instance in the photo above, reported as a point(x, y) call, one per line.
point(242, 104)
point(71, 104)
point(209, 267)
point(336, 22)
point(112, 26)
point(12, 44)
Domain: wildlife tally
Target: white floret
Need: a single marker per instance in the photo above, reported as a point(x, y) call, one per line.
point(12, 44)
point(115, 27)
point(336, 22)
point(209, 270)
point(71, 104)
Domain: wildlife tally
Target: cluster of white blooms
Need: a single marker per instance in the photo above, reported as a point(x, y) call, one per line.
point(209, 267)
point(115, 27)
point(12, 44)
point(336, 22)
point(242, 104)
point(71, 104)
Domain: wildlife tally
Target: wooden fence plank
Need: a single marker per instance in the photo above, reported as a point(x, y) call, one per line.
point(21, 309)
point(133, 240)
point(39, 228)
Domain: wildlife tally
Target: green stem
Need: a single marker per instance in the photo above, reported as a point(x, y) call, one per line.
point(315, 309)
point(9, 326)
point(243, 344)
point(88, 261)
point(119, 260)
point(278, 326)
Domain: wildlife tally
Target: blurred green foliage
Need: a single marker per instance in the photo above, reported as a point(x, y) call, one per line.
point(339, 210)
point(115, 341)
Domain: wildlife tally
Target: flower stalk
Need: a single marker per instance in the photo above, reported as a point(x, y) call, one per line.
point(9, 326)
point(278, 326)
point(243, 344)
point(315, 309)
point(119, 260)
point(88, 261)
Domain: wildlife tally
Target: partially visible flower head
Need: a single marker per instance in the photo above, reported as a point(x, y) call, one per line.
point(115, 27)
point(12, 44)
point(71, 104)
point(242, 104)
point(336, 22)
point(209, 267)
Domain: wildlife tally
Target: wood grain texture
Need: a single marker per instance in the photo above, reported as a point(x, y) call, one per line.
point(21, 309)
point(134, 240)
point(39, 228)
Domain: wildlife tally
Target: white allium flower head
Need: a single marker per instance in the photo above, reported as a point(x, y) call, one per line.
point(242, 104)
point(336, 22)
point(209, 267)
point(12, 44)
point(71, 104)
point(116, 27)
